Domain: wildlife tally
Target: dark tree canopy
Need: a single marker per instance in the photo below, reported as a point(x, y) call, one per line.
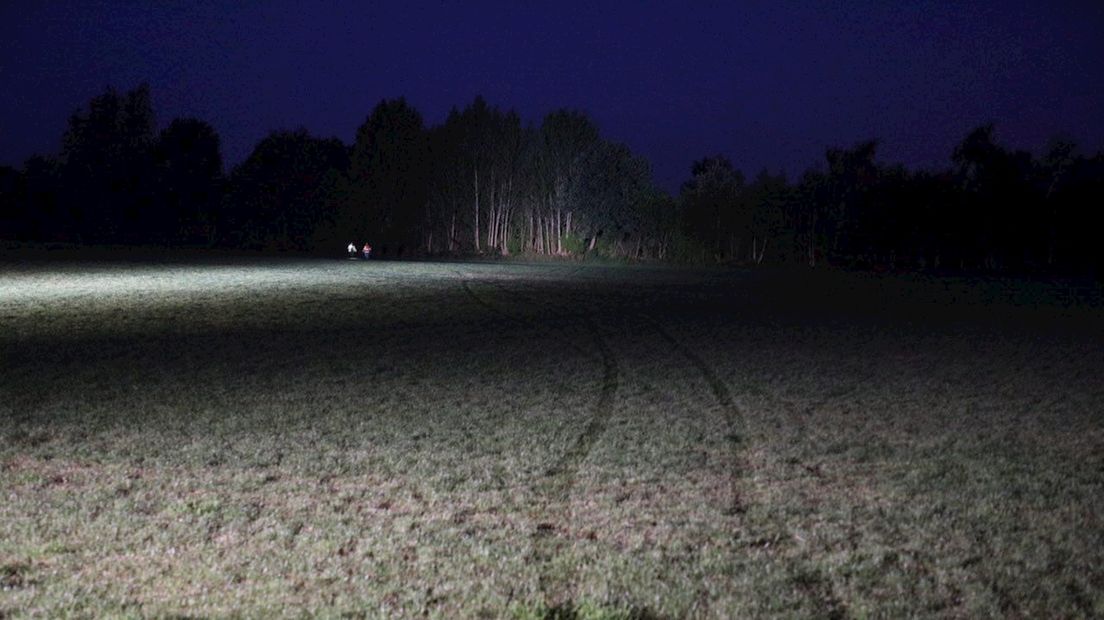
point(106, 166)
point(274, 195)
point(486, 182)
point(384, 193)
point(715, 207)
point(188, 174)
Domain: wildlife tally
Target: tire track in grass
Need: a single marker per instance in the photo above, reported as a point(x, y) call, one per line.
point(809, 581)
point(577, 453)
point(569, 463)
point(565, 469)
point(486, 304)
point(465, 283)
point(733, 417)
point(550, 512)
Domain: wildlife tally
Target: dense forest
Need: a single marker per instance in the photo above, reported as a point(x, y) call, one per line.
point(486, 182)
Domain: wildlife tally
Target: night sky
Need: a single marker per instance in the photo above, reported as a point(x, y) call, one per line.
point(768, 84)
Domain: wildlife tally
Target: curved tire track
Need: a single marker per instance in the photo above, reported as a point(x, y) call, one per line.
point(466, 285)
point(820, 591)
point(562, 473)
point(565, 470)
point(484, 303)
point(551, 513)
point(550, 510)
point(733, 417)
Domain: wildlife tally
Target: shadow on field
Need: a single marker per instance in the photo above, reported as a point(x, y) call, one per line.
point(332, 342)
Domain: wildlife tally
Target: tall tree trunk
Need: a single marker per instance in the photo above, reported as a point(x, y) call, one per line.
point(538, 238)
point(492, 211)
point(452, 233)
point(504, 228)
point(505, 231)
point(477, 209)
point(559, 230)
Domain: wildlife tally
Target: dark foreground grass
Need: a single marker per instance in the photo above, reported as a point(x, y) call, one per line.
point(547, 441)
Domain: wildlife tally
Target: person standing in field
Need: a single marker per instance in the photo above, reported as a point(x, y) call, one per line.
point(351, 250)
point(367, 251)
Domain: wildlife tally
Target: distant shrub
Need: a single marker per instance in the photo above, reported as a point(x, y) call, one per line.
point(514, 244)
point(574, 245)
point(686, 249)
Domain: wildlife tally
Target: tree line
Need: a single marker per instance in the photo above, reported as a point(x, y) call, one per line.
point(485, 182)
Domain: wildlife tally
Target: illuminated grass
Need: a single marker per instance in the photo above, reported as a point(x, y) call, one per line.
point(329, 437)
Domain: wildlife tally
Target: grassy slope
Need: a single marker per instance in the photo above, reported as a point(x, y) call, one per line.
point(475, 439)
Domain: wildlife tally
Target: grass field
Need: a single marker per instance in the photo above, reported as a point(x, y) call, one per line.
point(309, 437)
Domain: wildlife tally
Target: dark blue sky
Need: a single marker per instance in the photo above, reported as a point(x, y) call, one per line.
point(769, 84)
